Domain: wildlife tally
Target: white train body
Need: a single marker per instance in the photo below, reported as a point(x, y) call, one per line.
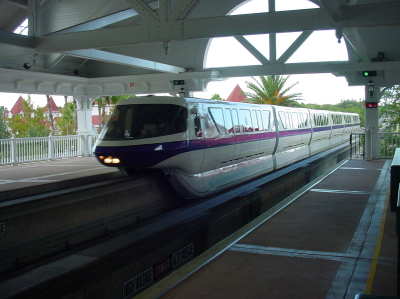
point(205, 146)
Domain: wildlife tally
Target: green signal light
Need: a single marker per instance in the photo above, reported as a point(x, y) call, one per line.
point(368, 73)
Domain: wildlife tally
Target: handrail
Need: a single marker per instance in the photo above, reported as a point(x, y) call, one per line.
point(21, 150)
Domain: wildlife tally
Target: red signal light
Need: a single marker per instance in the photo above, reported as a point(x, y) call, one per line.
point(371, 105)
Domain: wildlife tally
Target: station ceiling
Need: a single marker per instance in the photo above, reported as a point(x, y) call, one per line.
point(99, 47)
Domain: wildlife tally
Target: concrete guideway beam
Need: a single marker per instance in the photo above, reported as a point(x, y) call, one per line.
point(366, 15)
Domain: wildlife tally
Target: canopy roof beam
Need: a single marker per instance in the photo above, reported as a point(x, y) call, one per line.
point(294, 46)
point(249, 47)
point(366, 15)
point(104, 56)
point(304, 68)
point(17, 40)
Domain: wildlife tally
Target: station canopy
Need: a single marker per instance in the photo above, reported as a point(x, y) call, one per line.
point(102, 47)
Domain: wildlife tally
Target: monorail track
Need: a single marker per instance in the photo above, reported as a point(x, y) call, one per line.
point(161, 244)
point(46, 224)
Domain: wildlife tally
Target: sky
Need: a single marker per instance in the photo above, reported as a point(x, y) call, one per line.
point(315, 88)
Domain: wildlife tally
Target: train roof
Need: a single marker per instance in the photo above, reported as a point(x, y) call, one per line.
point(150, 99)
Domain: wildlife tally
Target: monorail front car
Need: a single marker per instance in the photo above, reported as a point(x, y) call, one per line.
point(204, 146)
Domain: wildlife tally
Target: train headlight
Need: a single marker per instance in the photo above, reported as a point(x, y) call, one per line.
point(111, 160)
point(101, 157)
point(108, 160)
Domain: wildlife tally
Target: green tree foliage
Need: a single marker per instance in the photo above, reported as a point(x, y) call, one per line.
point(390, 110)
point(272, 90)
point(30, 123)
point(67, 121)
point(217, 97)
point(4, 133)
point(352, 106)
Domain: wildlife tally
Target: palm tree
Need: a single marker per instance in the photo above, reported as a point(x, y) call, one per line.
point(271, 90)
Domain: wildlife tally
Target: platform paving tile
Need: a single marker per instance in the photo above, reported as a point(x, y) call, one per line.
point(353, 180)
point(317, 221)
point(246, 275)
point(386, 278)
point(375, 164)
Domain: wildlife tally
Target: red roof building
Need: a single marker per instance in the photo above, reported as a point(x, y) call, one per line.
point(96, 120)
point(17, 108)
point(52, 104)
point(237, 95)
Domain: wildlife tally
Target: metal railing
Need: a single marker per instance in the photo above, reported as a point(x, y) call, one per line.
point(388, 142)
point(20, 150)
point(357, 146)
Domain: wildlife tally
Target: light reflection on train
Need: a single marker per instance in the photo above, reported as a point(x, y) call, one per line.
point(204, 146)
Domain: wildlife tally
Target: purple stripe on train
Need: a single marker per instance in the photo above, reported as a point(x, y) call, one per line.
point(147, 155)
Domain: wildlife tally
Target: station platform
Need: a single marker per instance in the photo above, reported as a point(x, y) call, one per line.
point(30, 178)
point(338, 239)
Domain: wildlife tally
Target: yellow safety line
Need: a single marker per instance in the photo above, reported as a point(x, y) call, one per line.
point(377, 252)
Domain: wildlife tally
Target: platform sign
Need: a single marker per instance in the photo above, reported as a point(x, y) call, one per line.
point(182, 256)
point(161, 269)
point(141, 281)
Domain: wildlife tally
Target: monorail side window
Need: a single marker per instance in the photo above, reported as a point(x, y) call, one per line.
point(210, 129)
point(235, 119)
point(254, 117)
point(245, 120)
point(316, 120)
point(295, 120)
point(303, 117)
point(266, 119)
point(260, 120)
point(228, 121)
point(289, 118)
point(283, 118)
point(145, 121)
point(218, 117)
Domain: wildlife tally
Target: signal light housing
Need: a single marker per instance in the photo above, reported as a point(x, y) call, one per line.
point(367, 74)
point(371, 105)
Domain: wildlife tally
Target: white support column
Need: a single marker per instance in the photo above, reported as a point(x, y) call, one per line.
point(372, 95)
point(272, 35)
point(84, 120)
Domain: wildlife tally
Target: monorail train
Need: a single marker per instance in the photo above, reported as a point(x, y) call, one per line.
point(204, 146)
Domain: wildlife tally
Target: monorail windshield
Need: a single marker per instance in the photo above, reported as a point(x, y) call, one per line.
point(145, 121)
